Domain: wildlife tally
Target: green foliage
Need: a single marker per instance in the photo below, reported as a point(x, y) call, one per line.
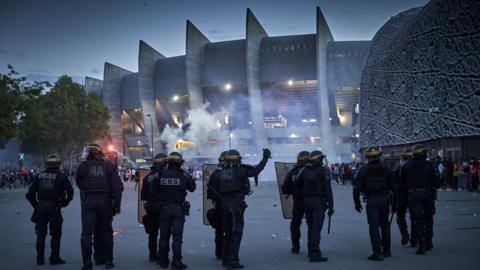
point(16, 93)
point(47, 119)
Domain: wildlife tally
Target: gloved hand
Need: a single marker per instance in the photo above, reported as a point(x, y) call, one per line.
point(358, 208)
point(266, 153)
point(330, 212)
point(116, 210)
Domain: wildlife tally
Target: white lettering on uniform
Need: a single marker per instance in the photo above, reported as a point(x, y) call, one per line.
point(96, 171)
point(170, 181)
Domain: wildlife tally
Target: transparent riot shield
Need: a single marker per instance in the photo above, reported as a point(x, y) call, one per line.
point(207, 204)
point(281, 170)
point(141, 211)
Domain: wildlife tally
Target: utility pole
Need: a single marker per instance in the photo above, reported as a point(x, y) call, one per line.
point(151, 127)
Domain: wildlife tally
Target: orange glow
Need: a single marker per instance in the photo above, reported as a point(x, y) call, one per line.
point(110, 148)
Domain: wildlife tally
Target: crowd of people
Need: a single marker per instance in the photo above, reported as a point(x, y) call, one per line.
point(460, 175)
point(13, 179)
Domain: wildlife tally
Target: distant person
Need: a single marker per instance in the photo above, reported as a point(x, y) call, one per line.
point(49, 192)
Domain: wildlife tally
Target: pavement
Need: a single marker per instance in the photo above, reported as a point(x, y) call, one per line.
point(266, 242)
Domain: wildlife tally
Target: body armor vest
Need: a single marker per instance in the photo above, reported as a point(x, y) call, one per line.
point(376, 179)
point(419, 174)
point(229, 180)
point(47, 188)
point(313, 181)
point(172, 187)
point(97, 178)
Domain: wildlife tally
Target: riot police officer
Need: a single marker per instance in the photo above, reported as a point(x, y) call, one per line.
point(49, 192)
point(231, 185)
point(318, 197)
point(401, 202)
point(151, 220)
point(215, 215)
point(100, 195)
point(172, 189)
point(292, 187)
point(373, 180)
point(419, 180)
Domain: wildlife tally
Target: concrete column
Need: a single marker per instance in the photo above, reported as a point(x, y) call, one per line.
point(147, 57)
point(196, 42)
point(255, 33)
point(112, 80)
point(323, 36)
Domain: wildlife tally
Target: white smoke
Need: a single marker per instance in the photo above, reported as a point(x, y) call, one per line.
point(201, 125)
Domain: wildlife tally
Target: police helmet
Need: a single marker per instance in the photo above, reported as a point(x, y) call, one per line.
point(419, 150)
point(159, 160)
point(303, 156)
point(94, 148)
point(175, 157)
point(407, 154)
point(221, 158)
point(373, 153)
point(316, 156)
point(53, 161)
point(233, 156)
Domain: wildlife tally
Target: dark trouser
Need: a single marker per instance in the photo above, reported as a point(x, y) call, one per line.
point(401, 205)
point(422, 209)
point(48, 215)
point(172, 219)
point(98, 247)
point(298, 211)
point(232, 223)
point(315, 214)
point(219, 252)
point(151, 223)
point(97, 218)
point(377, 216)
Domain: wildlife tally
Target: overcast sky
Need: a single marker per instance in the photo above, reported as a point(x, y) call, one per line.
point(47, 38)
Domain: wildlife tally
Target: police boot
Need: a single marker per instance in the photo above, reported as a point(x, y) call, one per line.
point(234, 265)
point(295, 249)
point(56, 260)
point(87, 265)
point(376, 257)
point(405, 239)
point(109, 263)
point(422, 249)
point(40, 260)
point(317, 257)
point(164, 263)
point(178, 265)
point(429, 244)
point(387, 253)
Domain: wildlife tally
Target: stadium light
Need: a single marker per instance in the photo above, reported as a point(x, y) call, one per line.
point(228, 86)
point(175, 98)
point(293, 135)
point(290, 82)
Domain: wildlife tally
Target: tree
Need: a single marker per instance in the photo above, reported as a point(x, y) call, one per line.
point(63, 120)
point(16, 93)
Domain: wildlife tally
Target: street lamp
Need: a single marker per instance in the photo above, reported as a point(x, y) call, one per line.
point(151, 125)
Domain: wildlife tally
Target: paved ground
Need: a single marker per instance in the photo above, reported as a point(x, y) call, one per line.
point(266, 242)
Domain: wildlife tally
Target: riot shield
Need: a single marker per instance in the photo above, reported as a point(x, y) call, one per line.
point(141, 211)
point(281, 169)
point(207, 204)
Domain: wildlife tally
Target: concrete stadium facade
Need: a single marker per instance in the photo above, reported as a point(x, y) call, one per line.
point(289, 93)
point(421, 82)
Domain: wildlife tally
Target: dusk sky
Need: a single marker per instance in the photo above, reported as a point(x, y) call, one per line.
point(47, 38)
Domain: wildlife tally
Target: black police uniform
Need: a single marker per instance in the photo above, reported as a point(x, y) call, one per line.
point(401, 205)
point(318, 197)
point(100, 194)
point(373, 180)
point(418, 178)
point(231, 184)
point(292, 187)
point(49, 192)
point(172, 189)
point(218, 212)
point(151, 220)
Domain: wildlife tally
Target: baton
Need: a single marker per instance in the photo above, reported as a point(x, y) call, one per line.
point(329, 221)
